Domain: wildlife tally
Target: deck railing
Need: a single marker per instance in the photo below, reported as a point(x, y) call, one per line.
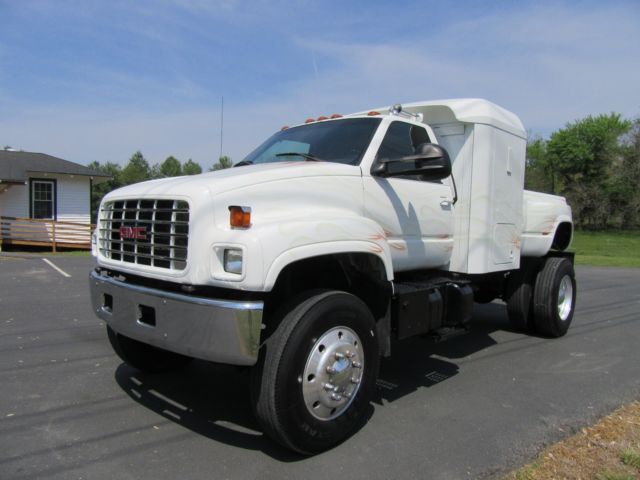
point(47, 233)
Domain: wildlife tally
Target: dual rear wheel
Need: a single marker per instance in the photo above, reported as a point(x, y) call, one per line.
point(542, 297)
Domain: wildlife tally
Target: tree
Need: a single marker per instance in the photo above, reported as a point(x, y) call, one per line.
point(154, 172)
point(626, 179)
point(171, 167)
point(191, 168)
point(581, 158)
point(538, 174)
point(137, 170)
point(99, 190)
point(223, 162)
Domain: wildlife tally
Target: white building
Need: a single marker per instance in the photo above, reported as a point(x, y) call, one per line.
point(48, 191)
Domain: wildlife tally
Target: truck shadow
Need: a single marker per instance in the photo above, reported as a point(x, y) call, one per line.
point(213, 400)
point(209, 399)
point(421, 363)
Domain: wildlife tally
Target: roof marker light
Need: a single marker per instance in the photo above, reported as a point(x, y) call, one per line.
point(286, 127)
point(310, 120)
point(322, 117)
point(373, 113)
point(336, 115)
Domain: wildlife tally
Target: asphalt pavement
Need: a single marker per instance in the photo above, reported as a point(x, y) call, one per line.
point(472, 407)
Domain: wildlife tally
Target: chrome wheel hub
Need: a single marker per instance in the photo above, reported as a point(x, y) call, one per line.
point(333, 373)
point(565, 297)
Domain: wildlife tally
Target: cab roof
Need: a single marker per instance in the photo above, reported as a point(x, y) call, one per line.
point(467, 110)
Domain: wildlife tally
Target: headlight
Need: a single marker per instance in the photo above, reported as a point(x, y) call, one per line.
point(233, 261)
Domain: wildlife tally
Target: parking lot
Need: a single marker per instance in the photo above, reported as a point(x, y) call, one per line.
point(473, 407)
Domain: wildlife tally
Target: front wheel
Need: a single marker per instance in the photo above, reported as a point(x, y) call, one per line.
point(316, 373)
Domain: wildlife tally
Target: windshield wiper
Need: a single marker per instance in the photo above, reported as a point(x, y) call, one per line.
point(243, 162)
point(306, 156)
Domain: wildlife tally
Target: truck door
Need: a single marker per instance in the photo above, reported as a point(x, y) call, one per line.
point(416, 215)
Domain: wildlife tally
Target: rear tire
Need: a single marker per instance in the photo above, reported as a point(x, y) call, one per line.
point(554, 297)
point(145, 357)
point(483, 296)
point(519, 296)
point(316, 373)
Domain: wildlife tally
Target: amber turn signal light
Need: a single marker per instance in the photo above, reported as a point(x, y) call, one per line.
point(239, 217)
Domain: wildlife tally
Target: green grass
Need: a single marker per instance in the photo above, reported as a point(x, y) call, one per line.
point(528, 472)
point(631, 458)
point(615, 476)
point(607, 249)
point(70, 253)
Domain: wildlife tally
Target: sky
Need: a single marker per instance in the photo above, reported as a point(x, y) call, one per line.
point(98, 80)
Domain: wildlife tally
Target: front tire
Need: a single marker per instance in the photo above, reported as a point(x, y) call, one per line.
point(145, 357)
point(554, 297)
point(316, 372)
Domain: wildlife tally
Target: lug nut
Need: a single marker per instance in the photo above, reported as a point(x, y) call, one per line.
point(355, 380)
point(339, 355)
point(331, 370)
point(350, 354)
point(356, 365)
point(335, 396)
point(328, 386)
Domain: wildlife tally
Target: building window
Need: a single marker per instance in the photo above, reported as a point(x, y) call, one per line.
point(43, 199)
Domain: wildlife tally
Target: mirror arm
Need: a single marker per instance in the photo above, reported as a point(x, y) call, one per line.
point(455, 189)
point(380, 168)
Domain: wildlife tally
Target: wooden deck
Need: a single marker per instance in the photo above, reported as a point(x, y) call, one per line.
point(45, 233)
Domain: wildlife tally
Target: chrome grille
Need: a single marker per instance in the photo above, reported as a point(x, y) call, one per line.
point(145, 232)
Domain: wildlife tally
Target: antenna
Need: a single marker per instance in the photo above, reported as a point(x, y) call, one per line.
point(221, 124)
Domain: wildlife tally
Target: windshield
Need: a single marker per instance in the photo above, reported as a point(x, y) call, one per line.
point(341, 141)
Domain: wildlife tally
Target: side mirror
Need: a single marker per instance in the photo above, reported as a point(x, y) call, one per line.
point(431, 161)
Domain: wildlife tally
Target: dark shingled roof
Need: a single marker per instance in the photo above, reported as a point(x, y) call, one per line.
point(15, 165)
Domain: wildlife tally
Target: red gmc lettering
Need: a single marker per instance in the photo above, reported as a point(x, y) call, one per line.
point(134, 233)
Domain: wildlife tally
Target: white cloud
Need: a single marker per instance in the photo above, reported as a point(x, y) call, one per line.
point(549, 64)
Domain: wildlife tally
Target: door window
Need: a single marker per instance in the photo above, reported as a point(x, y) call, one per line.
point(401, 140)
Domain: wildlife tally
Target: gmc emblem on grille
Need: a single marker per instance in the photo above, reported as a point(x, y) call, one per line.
point(134, 233)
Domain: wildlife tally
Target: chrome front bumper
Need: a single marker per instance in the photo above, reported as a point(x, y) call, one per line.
point(222, 331)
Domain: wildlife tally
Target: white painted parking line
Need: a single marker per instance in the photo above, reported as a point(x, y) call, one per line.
point(58, 269)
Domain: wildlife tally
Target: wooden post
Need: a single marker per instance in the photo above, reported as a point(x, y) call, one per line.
point(53, 224)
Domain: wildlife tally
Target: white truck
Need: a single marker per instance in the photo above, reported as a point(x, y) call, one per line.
point(327, 242)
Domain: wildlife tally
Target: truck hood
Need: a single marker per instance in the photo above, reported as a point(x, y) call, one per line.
point(233, 178)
